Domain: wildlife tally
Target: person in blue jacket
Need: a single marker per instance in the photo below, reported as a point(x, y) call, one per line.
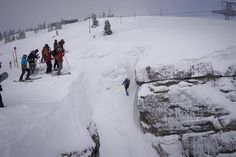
point(24, 68)
point(126, 85)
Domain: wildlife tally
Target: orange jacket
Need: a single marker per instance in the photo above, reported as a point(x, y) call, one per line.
point(45, 51)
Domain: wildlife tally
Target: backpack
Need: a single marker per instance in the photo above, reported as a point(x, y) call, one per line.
point(127, 81)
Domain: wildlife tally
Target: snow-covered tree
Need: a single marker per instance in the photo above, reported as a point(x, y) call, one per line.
point(22, 35)
point(103, 14)
point(95, 21)
point(5, 34)
point(7, 39)
point(13, 38)
point(107, 28)
point(36, 30)
point(44, 25)
point(1, 36)
point(59, 25)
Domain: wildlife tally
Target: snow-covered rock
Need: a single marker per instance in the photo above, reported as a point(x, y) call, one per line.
point(191, 106)
point(92, 151)
point(217, 64)
point(178, 109)
point(209, 144)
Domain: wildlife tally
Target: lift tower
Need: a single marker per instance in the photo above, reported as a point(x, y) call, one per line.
point(228, 9)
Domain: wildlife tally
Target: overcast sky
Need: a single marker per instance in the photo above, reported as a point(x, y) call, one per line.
point(26, 13)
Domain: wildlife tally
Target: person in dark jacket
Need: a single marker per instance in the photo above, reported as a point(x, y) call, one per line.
point(1, 103)
point(60, 55)
point(126, 85)
point(24, 68)
point(32, 59)
point(55, 46)
point(45, 51)
point(48, 59)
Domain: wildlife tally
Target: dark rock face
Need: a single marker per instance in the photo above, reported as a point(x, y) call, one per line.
point(85, 153)
point(196, 108)
point(89, 152)
point(183, 72)
point(209, 144)
point(94, 134)
point(176, 110)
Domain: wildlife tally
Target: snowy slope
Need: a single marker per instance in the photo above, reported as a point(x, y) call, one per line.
point(50, 116)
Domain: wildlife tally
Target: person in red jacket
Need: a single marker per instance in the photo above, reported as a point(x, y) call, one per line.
point(60, 54)
point(48, 59)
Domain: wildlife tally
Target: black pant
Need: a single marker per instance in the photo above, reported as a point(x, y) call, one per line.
point(56, 65)
point(23, 72)
point(1, 103)
point(43, 59)
point(126, 86)
point(32, 66)
point(49, 67)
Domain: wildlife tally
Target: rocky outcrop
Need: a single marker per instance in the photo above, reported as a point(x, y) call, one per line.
point(94, 134)
point(191, 105)
point(215, 65)
point(188, 71)
point(209, 144)
point(175, 107)
point(89, 152)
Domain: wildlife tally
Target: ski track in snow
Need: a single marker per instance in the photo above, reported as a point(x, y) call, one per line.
point(113, 110)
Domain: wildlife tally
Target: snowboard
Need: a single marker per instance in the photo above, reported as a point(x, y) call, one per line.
point(3, 76)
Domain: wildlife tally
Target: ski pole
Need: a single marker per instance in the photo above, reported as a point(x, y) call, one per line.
point(13, 56)
point(16, 58)
point(66, 58)
point(67, 62)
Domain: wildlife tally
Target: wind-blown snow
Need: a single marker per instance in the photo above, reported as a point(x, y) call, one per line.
point(50, 116)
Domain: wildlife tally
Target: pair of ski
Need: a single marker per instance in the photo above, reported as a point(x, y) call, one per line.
point(36, 78)
point(56, 74)
point(30, 80)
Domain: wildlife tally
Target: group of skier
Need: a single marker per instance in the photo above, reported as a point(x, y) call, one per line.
point(57, 53)
point(31, 59)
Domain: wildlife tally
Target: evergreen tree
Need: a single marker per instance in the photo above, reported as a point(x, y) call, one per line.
point(7, 39)
point(58, 26)
point(107, 28)
point(11, 32)
point(109, 13)
point(13, 38)
point(95, 21)
point(44, 25)
point(40, 26)
point(1, 36)
point(103, 14)
point(22, 35)
point(5, 34)
point(36, 30)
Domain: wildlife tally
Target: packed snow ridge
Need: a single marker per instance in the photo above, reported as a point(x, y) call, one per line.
point(183, 105)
